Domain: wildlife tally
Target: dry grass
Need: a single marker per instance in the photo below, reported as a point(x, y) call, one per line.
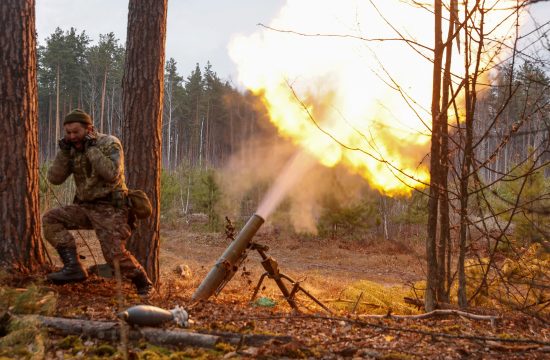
point(369, 297)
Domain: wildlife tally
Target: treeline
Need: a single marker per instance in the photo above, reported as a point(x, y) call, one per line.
point(205, 119)
point(74, 73)
point(513, 122)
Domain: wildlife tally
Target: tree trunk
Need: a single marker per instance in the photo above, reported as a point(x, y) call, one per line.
point(196, 136)
point(80, 105)
point(176, 149)
point(142, 91)
point(207, 150)
point(57, 120)
point(48, 140)
point(464, 177)
point(20, 244)
point(103, 91)
point(112, 128)
point(431, 254)
point(444, 221)
point(169, 133)
point(470, 99)
point(384, 211)
point(201, 145)
point(92, 96)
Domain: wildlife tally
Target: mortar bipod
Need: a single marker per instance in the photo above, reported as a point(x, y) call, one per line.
point(272, 271)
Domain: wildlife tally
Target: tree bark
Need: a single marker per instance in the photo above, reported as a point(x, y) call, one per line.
point(467, 159)
point(20, 244)
point(444, 221)
point(431, 254)
point(142, 92)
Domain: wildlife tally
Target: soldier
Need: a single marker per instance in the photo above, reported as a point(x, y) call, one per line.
point(97, 164)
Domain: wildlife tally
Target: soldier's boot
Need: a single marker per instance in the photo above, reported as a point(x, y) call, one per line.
point(72, 271)
point(144, 286)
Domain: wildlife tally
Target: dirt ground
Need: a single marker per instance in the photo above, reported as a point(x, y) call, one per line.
point(325, 268)
point(320, 263)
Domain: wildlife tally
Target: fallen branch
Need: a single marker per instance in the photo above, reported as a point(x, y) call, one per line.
point(250, 339)
point(420, 304)
point(107, 330)
point(494, 345)
point(434, 313)
point(441, 305)
point(351, 302)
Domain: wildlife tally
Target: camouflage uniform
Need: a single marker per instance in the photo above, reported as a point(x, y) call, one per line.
point(99, 201)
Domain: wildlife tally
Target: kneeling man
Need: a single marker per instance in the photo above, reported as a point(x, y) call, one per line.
point(96, 162)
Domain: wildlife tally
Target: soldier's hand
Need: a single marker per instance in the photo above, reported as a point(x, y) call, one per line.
point(90, 140)
point(64, 145)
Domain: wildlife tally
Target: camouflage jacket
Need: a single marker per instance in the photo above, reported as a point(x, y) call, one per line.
point(97, 172)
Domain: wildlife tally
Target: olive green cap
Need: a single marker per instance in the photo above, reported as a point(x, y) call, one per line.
point(78, 115)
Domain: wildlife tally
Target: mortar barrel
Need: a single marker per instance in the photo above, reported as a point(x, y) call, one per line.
point(228, 260)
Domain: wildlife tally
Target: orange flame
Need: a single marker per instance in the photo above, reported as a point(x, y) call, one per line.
point(362, 102)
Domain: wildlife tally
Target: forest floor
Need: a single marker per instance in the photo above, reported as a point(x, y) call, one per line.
point(338, 273)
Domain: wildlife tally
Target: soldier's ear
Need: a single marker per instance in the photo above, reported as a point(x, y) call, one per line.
point(90, 128)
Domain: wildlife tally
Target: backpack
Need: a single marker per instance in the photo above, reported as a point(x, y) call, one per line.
point(139, 204)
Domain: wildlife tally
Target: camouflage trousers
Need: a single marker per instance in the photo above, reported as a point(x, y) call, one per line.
point(110, 225)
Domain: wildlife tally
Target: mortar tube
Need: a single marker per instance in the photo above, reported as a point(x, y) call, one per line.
point(228, 259)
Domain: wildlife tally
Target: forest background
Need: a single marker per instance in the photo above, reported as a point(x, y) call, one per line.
point(487, 210)
point(217, 142)
point(208, 123)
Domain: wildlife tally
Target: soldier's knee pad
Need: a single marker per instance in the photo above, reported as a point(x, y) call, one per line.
point(51, 216)
point(53, 233)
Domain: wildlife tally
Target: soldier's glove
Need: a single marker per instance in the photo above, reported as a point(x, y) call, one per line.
point(64, 145)
point(89, 140)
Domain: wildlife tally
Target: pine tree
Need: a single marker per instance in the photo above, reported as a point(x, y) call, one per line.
point(21, 248)
point(143, 87)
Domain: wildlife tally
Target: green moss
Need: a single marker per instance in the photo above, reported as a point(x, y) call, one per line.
point(25, 339)
point(70, 342)
point(104, 350)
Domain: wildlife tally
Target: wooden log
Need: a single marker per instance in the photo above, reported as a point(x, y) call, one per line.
point(251, 339)
point(108, 330)
point(443, 306)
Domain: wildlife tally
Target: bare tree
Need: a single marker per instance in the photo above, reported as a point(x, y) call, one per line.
point(142, 88)
point(430, 298)
point(20, 244)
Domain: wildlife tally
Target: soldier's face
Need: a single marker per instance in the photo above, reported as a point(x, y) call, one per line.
point(75, 133)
